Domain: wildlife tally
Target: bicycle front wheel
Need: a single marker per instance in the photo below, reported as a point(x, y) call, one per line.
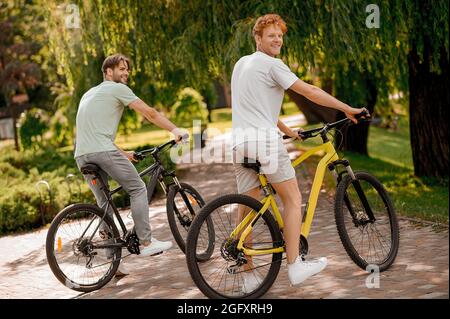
point(73, 247)
point(222, 275)
point(366, 221)
point(183, 204)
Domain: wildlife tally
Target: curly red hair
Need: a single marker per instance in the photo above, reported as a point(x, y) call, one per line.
point(266, 20)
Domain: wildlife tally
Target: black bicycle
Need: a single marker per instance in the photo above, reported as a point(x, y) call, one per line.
point(84, 256)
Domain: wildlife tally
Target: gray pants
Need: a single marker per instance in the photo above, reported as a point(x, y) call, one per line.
point(116, 165)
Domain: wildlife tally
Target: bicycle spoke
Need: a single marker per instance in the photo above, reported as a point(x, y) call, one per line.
point(222, 272)
point(372, 240)
point(72, 263)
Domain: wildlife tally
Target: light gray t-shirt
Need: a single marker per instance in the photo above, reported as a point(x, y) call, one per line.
point(258, 83)
point(98, 117)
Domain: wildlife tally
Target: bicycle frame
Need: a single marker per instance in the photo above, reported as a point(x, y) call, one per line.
point(245, 226)
point(155, 171)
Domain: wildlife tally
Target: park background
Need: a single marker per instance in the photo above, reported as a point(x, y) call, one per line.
point(389, 56)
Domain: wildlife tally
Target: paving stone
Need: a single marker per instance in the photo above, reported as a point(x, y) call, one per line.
point(421, 269)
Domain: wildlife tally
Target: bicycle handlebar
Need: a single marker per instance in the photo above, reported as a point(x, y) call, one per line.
point(155, 150)
point(362, 117)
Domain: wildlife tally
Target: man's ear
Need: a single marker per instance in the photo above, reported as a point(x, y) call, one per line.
point(257, 40)
point(109, 71)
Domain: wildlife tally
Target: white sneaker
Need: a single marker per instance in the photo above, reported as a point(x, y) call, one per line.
point(122, 270)
point(300, 270)
point(155, 247)
point(251, 282)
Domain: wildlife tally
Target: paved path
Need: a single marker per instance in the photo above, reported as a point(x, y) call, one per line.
point(421, 269)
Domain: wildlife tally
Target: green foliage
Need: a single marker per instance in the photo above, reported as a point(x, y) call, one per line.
point(33, 124)
point(390, 161)
point(129, 122)
point(23, 204)
point(209, 94)
point(188, 43)
point(189, 107)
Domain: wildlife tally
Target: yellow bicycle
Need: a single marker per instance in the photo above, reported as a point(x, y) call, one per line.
point(364, 214)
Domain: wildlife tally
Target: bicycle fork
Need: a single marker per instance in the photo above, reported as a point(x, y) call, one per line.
point(356, 184)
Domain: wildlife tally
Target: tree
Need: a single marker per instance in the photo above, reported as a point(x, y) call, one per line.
point(18, 73)
point(429, 97)
point(174, 44)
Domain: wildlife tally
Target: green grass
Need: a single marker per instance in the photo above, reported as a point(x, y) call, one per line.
point(390, 146)
point(411, 195)
point(391, 162)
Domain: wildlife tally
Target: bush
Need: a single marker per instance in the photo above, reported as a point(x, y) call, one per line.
point(21, 205)
point(32, 126)
point(25, 206)
point(188, 107)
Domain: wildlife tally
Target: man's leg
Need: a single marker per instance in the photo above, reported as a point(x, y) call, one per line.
point(242, 212)
point(100, 197)
point(292, 217)
point(248, 184)
point(121, 170)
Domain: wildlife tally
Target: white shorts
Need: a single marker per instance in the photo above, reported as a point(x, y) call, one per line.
point(274, 159)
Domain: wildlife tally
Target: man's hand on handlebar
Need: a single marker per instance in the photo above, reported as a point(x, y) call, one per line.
point(130, 156)
point(297, 134)
point(354, 114)
point(181, 135)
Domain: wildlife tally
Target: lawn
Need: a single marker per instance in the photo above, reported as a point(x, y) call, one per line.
point(390, 161)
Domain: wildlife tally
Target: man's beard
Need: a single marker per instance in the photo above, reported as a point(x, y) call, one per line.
point(118, 79)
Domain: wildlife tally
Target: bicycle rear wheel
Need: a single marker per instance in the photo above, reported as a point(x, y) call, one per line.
point(366, 221)
point(73, 255)
point(221, 276)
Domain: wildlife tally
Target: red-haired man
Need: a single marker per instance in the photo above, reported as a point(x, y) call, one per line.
point(257, 88)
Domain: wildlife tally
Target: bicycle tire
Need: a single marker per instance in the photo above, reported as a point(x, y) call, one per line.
point(50, 247)
point(174, 217)
point(193, 264)
point(342, 213)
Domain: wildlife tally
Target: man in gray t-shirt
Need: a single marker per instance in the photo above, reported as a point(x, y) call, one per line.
point(258, 83)
point(98, 117)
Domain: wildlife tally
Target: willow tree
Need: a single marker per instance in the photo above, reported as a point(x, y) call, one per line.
point(407, 51)
point(428, 77)
point(176, 43)
point(329, 36)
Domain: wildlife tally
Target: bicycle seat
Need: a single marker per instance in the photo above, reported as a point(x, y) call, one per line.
point(250, 163)
point(89, 169)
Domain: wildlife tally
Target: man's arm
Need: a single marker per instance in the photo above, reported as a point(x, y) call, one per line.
point(321, 97)
point(152, 115)
point(127, 154)
point(286, 129)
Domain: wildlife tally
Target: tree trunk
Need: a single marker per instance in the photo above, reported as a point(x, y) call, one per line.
point(314, 113)
point(354, 137)
point(428, 109)
point(16, 135)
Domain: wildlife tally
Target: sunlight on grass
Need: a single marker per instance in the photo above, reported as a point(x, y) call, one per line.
point(391, 147)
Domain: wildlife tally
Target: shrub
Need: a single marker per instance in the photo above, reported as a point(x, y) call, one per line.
point(188, 107)
point(33, 124)
point(23, 207)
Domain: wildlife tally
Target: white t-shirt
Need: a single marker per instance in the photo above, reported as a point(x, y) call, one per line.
point(99, 115)
point(258, 83)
